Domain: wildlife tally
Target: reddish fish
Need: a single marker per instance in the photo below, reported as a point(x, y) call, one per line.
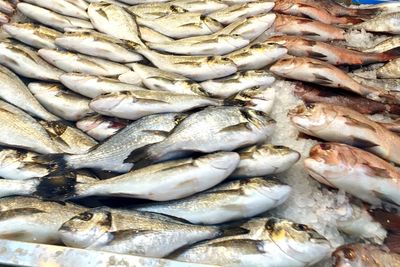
point(337, 9)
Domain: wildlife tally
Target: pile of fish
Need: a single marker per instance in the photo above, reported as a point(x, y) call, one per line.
point(169, 103)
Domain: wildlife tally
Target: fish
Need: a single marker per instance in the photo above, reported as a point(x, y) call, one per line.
point(255, 98)
point(111, 154)
point(391, 70)
point(203, 6)
point(384, 8)
point(15, 92)
point(157, 79)
point(386, 45)
point(34, 220)
point(35, 35)
point(133, 105)
point(386, 23)
point(392, 125)
point(114, 20)
point(197, 68)
point(62, 7)
point(231, 14)
point(315, 30)
point(114, 2)
point(131, 232)
point(357, 254)
point(4, 18)
point(100, 127)
point(73, 62)
point(202, 45)
point(333, 54)
point(99, 45)
point(131, 77)
point(312, 94)
point(182, 25)
point(228, 86)
point(150, 35)
point(6, 7)
point(322, 73)
point(135, 2)
point(222, 128)
point(355, 171)
point(265, 159)
point(155, 10)
point(19, 130)
point(387, 84)
point(280, 243)
point(82, 4)
point(25, 61)
point(52, 19)
point(337, 9)
point(92, 86)
point(229, 201)
point(60, 101)
point(257, 56)
point(344, 125)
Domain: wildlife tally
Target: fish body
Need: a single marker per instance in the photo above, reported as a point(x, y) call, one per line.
point(82, 4)
point(150, 35)
point(155, 10)
point(386, 23)
point(255, 98)
point(390, 71)
point(130, 77)
point(114, 2)
point(100, 127)
point(6, 7)
point(62, 7)
point(203, 6)
point(387, 84)
point(388, 44)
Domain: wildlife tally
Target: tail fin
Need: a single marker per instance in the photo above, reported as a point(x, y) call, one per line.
point(366, 12)
point(391, 54)
point(57, 187)
point(141, 157)
point(55, 162)
point(393, 242)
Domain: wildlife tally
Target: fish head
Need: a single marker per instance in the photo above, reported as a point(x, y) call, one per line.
point(272, 49)
point(221, 61)
point(111, 101)
point(226, 161)
point(269, 188)
point(100, 122)
point(258, 120)
point(234, 40)
point(257, 98)
point(310, 117)
point(266, 18)
point(86, 228)
point(212, 24)
point(298, 241)
point(195, 88)
point(285, 66)
point(347, 256)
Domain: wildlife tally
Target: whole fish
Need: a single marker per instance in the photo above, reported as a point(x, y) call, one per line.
point(93, 86)
point(24, 61)
point(6, 7)
point(68, 139)
point(61, 102)
point(62, 7)
point(263, 160)
point(217, 128)
point(111, 154)
point(344, 125)
point(390, 71)
point(386, 23)
point(319, 72)
point(133, 105)
point(14, 91)
point(388, 44)
point(238, 11)
point(387, 84)
point(113, 20)
point(155, 10)
point(355, 171)
point(32, 34)
point(52, 19)
point(203, 6)
point(100, 127)
point(33, 220)
point(4, 18)
point(182, 25)
point(20, 130)
point(255, 98)
point(228, 86)
point(156, 79)
point(131, 232)
point(99, 45)
point(353, 255)
point(73, 62)
point(333, 54)
point(202, 45)
point(230, 201)
point(131, 77)
point(281, 243)
point(198, 68)
point(291, 25)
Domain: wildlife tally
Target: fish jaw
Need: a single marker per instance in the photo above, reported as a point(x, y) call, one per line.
point(317, 169)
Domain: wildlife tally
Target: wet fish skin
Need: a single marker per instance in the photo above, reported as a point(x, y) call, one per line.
point(344, 125)
point(100, 127)
point(131, 77)
point(24, 61)
point(114, 2)
point(134, 2)
point(256, 98)
point(150, 35)
point(155, 10)
point(73, 62)
point(390, 71)
point(387, 84)
point(227, 202)
point(52, 19)
point(203, 6)
point(82, 4)
point(32, 34)
point(388, 44)
point(386, 23)
point(6, 7)
point(62, 7)
point(263, 160)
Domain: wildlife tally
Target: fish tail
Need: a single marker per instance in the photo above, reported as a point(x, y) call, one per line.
point(55, 163)
point(390, 54)
point(366, 12)
point(141, 157)
point(57, 187)
point(393, 241)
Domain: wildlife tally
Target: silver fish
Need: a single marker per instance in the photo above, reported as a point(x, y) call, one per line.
point(82, 4)
point(134, 2)
point(265, 160)
point(238, 11)
point(131, 232)
point(227, 202)
point(256, 98)
point(155, 10)
point(24, 61)
point(131, 77)
point(388, 44)
point(218, 128)
point(21, 131)
point(387, 84)
point(93, 86)
point(32, 34)
point(52, 19)
point(73, 62)
point(390, 71)
point(99, 45)
point(114, 2)
point(6, 7)
point(60, 101)
point(62, 7)
point(202, 45)
point(182, 25)
point(386, 23)
point(228, 86)
point(203, 6)
point(15, 92)
point(100, 127)
point(150, 35)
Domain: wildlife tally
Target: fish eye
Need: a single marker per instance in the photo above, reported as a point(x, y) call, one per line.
point(203, 17)
point(325, 146)
point(85, 216)
point(279, 147)
point(300, 227)
point(269, 225)
point(349, 254)
point(256, 46)
point(209, 58)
